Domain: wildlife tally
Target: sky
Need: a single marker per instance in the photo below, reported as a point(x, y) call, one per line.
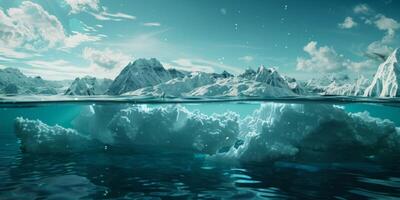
point(64, 39)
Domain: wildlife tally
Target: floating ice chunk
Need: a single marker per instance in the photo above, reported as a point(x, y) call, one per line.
point(37, 137)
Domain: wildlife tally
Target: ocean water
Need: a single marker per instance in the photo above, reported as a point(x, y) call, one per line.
point(101, 148)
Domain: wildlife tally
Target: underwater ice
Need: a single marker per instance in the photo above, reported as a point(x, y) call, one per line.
point(39, 137)
point(274, 131)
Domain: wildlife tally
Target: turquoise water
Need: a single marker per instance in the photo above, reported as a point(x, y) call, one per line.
point(199, 150)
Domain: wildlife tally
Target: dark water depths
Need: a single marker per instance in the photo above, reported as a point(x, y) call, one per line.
point(162, 172)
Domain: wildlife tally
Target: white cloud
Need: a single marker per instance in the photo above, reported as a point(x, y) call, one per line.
point(99, 12)
point(387, 24)
point(323, 59)
point(190, 65)
point(383, 46)
point(106, 58)
point(348, 23)
point(246, 58)
point(78, 38)
point(62, 70)
point(152, 24)
point(361, 66)
point(54, 69)
point(31, 28)
point(383, 23)
point(78, 6)
point(362, 9)
point(203, 65)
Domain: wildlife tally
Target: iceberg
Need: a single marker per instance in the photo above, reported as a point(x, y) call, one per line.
point(314, 132)
point(38, 137)
point(273, 132)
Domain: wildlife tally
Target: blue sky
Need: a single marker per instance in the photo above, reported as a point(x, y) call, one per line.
point(62, 39)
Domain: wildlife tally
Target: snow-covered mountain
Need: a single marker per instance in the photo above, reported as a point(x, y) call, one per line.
point(263, 82)
point(241, 87)
point(13, 81)
point(387, 79)
point(178, 86)
point(88, 86)
point(139, 74)
point(336, 84)
point(353, 88)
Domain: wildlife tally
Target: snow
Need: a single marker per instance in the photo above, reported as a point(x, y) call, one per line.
point(177, 86)
point(386, 80)
point(337, 84)
point(274, 131)
point(266, 82)
point(241, 87)
point(139, 74)
point(355, 88)
point(88, 86)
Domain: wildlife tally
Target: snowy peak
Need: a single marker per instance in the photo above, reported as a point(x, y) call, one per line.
point(139, 74)
point(387, 79)
point(88, 86)
point(142, 63)
point(248, 74)
point(271, 77)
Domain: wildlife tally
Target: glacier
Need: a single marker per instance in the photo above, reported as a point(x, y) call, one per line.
point(273, 132)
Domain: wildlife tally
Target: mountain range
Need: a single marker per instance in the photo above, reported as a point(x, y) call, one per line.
point(148, 77)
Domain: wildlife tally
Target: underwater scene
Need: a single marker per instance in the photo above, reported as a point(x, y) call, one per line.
point(294, 149)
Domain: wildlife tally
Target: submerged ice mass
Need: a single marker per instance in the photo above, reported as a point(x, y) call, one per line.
point(314, 132)
point(38, 137)
point(274, 131)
